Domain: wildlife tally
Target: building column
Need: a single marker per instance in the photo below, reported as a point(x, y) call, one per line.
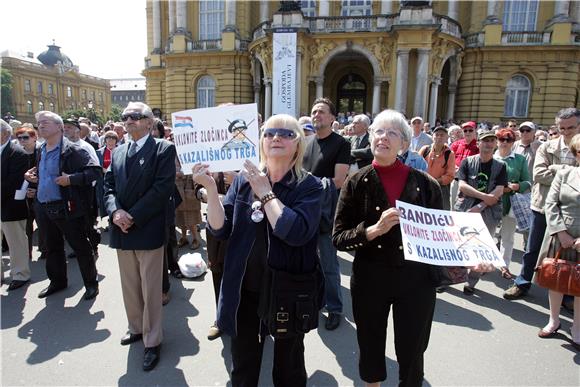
point(376, 109)
point(386, 7)
point(451, 102)
point(156, 27)
point(257, 94)
point(268, 98)
point(401, 81)
point(436, 81)
point(324, 8)
point(171, 17)
point(264, 11)
point(422, 82)
point(230, 15)
point(298, 81)
point(181, 13)
point(319, 87)
point(453, 9)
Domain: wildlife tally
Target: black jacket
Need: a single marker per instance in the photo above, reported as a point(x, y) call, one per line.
point(360, 205)
point(14, 165)
point(362, 154)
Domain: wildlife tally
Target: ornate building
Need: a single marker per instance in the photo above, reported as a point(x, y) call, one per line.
point(481, 60)
point(52, 82)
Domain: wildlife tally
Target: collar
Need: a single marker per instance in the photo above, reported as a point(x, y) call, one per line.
point(142, 141)
point(563, 145)
point(497, 156)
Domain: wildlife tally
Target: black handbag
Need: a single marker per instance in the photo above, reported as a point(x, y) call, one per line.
point(293, 303)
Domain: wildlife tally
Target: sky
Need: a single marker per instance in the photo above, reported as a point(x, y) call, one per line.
point(105, 38)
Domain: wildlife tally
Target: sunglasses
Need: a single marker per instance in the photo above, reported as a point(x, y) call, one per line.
point(553, 134)
point(288, 134)
point(23, 137)
point(505, 140)
point(468, 130)
point(525, 130)
point(132, 116)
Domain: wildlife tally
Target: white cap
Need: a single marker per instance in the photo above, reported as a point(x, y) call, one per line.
point(417, 118)
point(528, 124)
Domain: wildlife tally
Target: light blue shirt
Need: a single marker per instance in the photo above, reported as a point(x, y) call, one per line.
point(413, 160)
point(48, 171)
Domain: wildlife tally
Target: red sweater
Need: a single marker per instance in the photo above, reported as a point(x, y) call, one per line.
point(393, 177)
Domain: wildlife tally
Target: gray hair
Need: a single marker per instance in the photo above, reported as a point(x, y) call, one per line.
point(394, 119)
point(566, 113)
point(363, 118)
point(50, 115)
point(145, 109)
point(5, 127)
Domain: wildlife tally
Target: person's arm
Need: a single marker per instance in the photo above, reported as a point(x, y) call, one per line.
point(215, 208)
point(340, 173)
point(554, 218)
point(342, 163)
point(449, 173)
point(543, 174)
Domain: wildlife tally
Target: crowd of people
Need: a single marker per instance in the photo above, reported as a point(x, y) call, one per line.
point(325, 181)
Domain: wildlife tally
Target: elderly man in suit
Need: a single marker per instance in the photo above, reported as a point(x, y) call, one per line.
point(138, 186)
point(360, 148)
point(14, 212)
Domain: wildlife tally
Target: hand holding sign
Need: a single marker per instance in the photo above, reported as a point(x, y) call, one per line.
point(388, 219)
point(201, 175)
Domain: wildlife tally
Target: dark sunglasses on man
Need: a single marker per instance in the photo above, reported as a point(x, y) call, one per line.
point(525, 130)
point(133, 116)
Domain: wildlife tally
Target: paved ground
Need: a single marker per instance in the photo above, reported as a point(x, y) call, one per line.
point(63, 340)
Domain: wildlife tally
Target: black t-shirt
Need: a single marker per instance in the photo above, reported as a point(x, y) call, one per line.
point(483, 176)
point(321, 155)
point(257, 260)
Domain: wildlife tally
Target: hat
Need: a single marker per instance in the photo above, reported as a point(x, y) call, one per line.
point(470, 124)
point(486, 134)
point(416, 118)
point(439, 128)
point(72, 121)
point(528, 124)
point(308, 127)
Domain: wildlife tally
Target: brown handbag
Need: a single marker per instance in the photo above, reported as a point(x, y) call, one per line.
point(559, 275)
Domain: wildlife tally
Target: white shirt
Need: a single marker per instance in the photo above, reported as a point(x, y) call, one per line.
point(140, 143)
point(89, 148)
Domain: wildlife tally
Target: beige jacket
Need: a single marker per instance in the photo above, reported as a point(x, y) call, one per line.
point(546, 165)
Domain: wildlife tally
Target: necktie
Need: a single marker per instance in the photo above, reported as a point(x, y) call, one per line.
point(132, 149)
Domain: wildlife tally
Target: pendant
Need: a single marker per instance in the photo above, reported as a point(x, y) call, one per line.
point(257, 214)
point(141, 162)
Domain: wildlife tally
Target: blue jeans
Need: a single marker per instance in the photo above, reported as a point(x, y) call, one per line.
point(530, 258)
point(331, 269)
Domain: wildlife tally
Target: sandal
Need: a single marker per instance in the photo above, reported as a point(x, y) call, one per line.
point(182, 242)
point(505, 273)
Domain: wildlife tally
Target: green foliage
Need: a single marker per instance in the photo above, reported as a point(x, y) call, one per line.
point(91, 114)
point(6, 92)
point(116, 111)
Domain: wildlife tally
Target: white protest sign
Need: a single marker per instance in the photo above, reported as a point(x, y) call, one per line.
point(446, 238)
point(222, 137)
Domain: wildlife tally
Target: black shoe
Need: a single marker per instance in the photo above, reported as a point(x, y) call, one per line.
point(72, 255)
point(441, 289)
point(131, 338)
point(51, 289)
point(332, 321)
point(15, 284)
point(468, 290)
point(151, 357)
point(91, 292)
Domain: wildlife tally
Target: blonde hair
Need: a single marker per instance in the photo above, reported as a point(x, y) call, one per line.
point(287, 122)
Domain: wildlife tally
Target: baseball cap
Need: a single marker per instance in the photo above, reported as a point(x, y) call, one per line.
point(470, 124)
point(439, 128)
point(417, 118)
point(72, 121)
point(528, 124)
point(308, 127)
point(486, 134)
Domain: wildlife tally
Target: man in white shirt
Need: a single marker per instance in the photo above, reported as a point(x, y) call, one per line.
point(420, 138)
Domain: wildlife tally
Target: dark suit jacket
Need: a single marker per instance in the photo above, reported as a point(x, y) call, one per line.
point(362, 154)
point(14, 165)
point(143, 192)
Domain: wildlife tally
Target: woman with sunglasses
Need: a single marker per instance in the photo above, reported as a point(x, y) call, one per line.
point(519, 181)
point(270, 216)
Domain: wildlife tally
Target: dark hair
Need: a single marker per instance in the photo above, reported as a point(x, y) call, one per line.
point(327, 102)
point(160, 128)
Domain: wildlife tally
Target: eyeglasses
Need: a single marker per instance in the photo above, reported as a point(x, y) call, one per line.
point(525, 130)
point(132, 116)
point(391, 133)
point(468, 130)
point(512, 126)
point(505, 140)
point(287, 134)
point(22, 138)
point(553, 134)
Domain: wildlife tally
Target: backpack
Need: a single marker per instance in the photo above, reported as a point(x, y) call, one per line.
point(445, 155)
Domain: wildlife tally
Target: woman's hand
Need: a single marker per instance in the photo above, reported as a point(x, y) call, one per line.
point(201, 175)
point(514, 187)
point(258, 180)
point(577, 244)
point(566, 240)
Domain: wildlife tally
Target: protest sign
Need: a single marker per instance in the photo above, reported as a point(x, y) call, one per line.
point(446, 238)
point(222, 137)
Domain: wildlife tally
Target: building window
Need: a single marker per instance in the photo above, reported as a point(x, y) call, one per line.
point(84, 94)
point(39, 87)
point(69, 91)
point(51, 107)
point(93, 96)
point(27, 85)
point(517, 96)
point(308, 7)
point(100, 97)
point(356, 8)
point(205, 92)
point(520, 15)
point(40, 106)
point(211, 19)
point(50, 89)
point(29, 107)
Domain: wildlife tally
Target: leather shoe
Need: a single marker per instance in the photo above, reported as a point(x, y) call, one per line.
point(546, 334)
point(130, 338)
point(51, 289)
point(15, 284)
point(91, 292)
point(151, 357)
point(514, 293)
point(332, 321)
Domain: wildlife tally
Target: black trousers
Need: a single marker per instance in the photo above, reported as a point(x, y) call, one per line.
point(409, 291)
point(248, 346)
point(75, 232)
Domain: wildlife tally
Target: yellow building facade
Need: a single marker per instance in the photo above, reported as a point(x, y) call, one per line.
point(481, 60)
point(53, 83)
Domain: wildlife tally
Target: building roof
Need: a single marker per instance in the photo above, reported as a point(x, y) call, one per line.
point(29, 56)
point(52, 56)
point(127, 84)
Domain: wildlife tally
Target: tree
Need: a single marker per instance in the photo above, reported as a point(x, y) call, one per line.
point(115, 114)
point(90, 113)
point(6, 91)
